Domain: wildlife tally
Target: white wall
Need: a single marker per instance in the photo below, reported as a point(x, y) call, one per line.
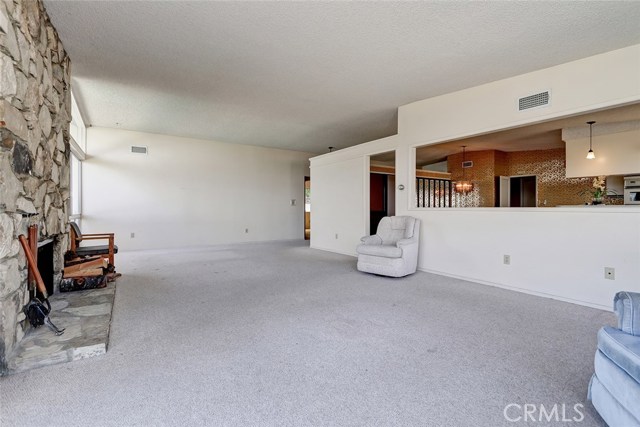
point(555, 252)
point(343, 185)
point(188, 192)
point(340, 201)
point(591, 83)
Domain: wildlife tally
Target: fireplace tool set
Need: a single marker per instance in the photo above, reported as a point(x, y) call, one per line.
point(35, 310)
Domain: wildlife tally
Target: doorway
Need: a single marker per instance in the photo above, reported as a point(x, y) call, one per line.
point(382, 188)
point(377, 200)
point(307, 208)
point(522, 191)
point(516, 191)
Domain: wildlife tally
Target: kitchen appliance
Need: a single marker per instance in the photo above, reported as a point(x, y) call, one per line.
point(632, 190)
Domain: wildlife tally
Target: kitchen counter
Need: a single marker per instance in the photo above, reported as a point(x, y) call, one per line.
point(599, 208)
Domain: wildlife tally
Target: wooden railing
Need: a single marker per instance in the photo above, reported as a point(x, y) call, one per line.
point(434, 193)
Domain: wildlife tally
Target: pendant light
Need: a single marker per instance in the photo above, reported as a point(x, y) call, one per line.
point(463, 186)
point(591, 155)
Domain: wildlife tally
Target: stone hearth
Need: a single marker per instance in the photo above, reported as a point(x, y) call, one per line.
point(86, 317)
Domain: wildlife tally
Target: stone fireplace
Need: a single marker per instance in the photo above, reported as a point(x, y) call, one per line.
point(35, 106)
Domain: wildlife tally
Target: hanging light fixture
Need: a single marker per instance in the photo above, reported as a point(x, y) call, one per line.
point(463, 186)
point(591, 155)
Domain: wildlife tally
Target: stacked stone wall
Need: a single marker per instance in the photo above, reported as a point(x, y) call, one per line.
point(35, 111)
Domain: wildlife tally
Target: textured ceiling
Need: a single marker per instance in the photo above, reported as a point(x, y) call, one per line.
point(308, 75)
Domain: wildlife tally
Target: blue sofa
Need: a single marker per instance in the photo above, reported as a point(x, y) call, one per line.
point(614, 389)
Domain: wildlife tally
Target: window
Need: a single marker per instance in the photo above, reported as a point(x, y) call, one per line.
point(77, 141)
point(75, 202)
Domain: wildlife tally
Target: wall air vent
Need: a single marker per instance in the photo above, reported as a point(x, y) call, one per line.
point(533, 101)
point(136, 149)
point(467, 164)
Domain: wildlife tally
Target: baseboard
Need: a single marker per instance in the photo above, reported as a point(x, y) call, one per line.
point(209, 245)
point(351, 254)
point(522, 290)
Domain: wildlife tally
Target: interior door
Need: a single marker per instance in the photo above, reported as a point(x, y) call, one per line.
point(504, 185)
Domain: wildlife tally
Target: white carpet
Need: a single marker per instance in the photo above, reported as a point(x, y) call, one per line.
point(277, 334)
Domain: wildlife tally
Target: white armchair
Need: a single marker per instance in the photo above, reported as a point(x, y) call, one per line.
point(393, 250)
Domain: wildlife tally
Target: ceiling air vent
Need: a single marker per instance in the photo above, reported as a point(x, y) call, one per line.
point(532, 101)
point(467, 164)
point(138, 150)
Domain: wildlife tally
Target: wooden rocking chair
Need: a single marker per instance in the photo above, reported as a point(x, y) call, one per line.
point(83, 251)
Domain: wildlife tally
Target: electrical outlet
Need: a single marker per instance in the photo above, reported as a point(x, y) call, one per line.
point(246, 230)
point(506, 259)
point(610, 273)
point(336, 235)
point(133, 235)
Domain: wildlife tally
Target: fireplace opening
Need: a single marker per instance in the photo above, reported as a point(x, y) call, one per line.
point(45, 263)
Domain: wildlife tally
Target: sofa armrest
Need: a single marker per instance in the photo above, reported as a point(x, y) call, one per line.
point(96, 236)
point(371, 240)
point(626, 305)
point(104, 236)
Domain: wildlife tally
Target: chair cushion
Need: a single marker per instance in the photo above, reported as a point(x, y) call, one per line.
point(405, 223)
point(95, 250)
point(627, 308)
point(623, 349)
point(391, 229)
point(385, 251)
